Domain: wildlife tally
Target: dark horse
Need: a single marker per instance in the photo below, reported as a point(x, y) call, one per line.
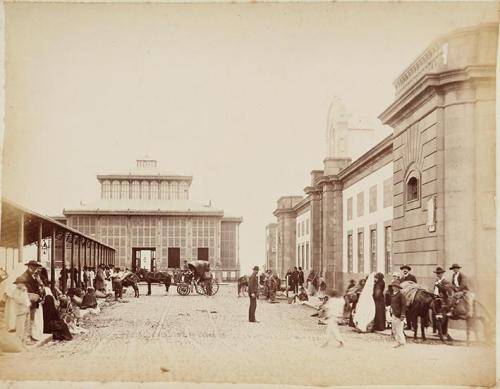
point(154, 277)
point(420, 308)
point(131, 279)
point(457, 307)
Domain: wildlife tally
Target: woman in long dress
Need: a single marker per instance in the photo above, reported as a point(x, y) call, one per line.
point(378, 298)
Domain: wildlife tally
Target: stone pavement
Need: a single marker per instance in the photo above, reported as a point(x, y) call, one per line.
point(208, 339)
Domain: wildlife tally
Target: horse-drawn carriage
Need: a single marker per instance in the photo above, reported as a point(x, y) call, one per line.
point(198, 278)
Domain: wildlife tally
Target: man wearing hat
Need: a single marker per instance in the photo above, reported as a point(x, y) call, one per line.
point(442, 287)
point(30, 279)
point(398, 307)
point(407, 276)
point(459, 284)
point(458, 279)
point(253, 290)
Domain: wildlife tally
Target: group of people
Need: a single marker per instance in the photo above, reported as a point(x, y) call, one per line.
point(103, 279)
point(390, 301)
point(33, 308)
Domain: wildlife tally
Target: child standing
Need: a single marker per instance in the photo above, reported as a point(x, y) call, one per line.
point(398, 306)
point(333, 309)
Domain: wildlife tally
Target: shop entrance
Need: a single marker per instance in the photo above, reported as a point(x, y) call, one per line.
point(143, 258)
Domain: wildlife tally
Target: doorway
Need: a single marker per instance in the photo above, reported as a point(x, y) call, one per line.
point(143, 258)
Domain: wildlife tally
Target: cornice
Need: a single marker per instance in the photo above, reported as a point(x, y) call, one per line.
point(435, 82)
point(384, 146)
point(142, 213)
point(139, 177)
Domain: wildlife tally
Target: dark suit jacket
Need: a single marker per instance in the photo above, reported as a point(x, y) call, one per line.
point(31, 284)
point(253, 285)
point(409, 277)
point(462, 282)
point(398, 305)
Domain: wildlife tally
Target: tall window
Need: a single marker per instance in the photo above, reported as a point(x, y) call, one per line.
point(115, 190)
point(125, 190)
point(145, 190)
point(307, 226)
point(298, 256)
point(154, 190)
point(136, 190)
point(303, 258)
point(349, 253)
point(361, 253)
point(164, 190)
point(388, 249)
point(373, 250)
point(306, 266)
point(174, 191)
point(412, 189)
point(106, 190)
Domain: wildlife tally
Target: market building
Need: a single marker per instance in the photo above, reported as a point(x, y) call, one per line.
point(147, 216)
point(425, 195)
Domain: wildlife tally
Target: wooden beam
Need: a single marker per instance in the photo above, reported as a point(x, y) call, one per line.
point(79, 275)
point(52, 261)
point(39, 248)
point(21, 239)
point(72, 277)
point(64, 275)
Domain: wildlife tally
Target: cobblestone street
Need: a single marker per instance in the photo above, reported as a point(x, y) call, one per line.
point(200, 339)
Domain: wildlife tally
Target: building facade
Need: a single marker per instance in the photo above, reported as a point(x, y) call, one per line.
point(145, 212)
point(425, 195)
point(271, 247)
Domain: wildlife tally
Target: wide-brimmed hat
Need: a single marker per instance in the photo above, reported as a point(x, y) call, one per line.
point(405, 267)
point(33, 263)
point(396, 283)
point(439, 270)
point(455, 266)
point(256, 268)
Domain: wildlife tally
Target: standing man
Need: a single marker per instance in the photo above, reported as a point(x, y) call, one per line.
point(398, 306)
point(301, 276)
point(253, 290)
point(30, 280)
point(458, 279)
point(407, 276)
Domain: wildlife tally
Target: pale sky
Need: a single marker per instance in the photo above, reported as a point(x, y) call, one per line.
point(236, 95)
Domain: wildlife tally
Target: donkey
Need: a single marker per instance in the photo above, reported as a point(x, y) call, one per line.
point(457, 307)
point(420, 308)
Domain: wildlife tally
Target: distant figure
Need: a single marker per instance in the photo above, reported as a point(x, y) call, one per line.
point(378, 298)
point(333, 308)
point(253, 290)
point(301, 277)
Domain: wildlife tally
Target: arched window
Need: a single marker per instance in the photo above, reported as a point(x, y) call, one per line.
point(115, 190)
point(164, 190)
point(106, 190)
point(125, 190)
point(412, 189)
point(145, 190)
point(136, 190)
point(154, 190)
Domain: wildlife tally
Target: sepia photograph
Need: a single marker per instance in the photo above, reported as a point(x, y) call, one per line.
point(248, 194)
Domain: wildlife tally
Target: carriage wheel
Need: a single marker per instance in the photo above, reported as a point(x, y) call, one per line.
point(183, 289)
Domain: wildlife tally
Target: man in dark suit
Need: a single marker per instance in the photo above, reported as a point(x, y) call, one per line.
point(442, 287)
point(459, 284)
point(253, 290)
point(407, 276)
point(458, 280)
point(35, 291)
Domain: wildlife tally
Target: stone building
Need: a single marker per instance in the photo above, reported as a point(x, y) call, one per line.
point(425, 195)
point(146, 213)
point(271, 247)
